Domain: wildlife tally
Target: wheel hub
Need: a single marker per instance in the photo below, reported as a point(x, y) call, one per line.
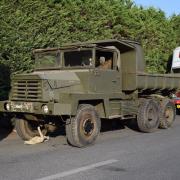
point(88, 127)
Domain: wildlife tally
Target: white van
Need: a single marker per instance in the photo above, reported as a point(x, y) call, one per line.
point(176, 59)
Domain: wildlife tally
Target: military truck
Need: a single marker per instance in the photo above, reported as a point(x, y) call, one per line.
point(82, 84)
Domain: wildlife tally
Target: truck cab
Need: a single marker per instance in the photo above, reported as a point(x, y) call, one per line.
point(61, 75)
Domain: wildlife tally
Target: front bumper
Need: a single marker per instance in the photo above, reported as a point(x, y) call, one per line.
point(36, 108)
point(1, 106)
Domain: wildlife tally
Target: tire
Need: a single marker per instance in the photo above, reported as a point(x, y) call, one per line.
point(148, 116)
point(167, 114)
point(27, 129)
point(6, 121)
point(69, 134)
point(83, 129)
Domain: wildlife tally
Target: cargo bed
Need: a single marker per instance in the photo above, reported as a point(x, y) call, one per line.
point(158, 81)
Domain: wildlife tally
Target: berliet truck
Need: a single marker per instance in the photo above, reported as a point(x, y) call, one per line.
point(81, 84)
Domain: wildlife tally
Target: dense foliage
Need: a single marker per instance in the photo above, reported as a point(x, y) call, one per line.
point(28, 24)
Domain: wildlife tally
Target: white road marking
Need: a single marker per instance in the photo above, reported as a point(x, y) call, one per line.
point(81, 169)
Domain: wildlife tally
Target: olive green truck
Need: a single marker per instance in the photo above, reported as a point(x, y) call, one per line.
point(80, 84)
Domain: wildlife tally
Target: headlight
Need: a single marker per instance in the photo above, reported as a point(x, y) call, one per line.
point(45, 109)
point(7, 106)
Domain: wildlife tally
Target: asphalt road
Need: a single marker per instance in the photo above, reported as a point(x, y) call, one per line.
point(119, 154)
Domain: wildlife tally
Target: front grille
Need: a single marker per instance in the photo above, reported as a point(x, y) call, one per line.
point(27, 90)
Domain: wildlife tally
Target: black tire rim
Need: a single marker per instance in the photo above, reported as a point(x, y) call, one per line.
point(87, 125)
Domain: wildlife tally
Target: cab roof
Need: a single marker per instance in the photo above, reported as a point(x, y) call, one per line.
point(122, 45)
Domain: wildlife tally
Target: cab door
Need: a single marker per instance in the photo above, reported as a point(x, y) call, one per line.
point(105, 77)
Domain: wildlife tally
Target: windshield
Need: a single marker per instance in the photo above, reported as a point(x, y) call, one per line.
point(78, 58)
point(47, 59)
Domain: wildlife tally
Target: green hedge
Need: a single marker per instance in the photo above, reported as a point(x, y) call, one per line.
point(28, 24)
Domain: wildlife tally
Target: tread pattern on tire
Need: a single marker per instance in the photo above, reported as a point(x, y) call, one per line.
point(163, 121)
point(69, 134)
point(72, 130)
point(142, 114)
point(23, 130)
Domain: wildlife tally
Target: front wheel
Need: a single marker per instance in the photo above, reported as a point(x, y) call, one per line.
point(83, 129)
point(28, 129)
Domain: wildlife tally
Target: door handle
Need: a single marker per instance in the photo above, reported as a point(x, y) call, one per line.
point(114, 81)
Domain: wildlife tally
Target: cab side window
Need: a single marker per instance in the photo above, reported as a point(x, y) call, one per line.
point(104, 60)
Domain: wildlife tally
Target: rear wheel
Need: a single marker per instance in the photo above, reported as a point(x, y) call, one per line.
point(167, 114)
point(28, 129)
point(148, 116)
point(84, 128)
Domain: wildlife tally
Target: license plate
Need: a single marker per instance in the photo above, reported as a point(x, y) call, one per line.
point(178, 106)
point(22, 106)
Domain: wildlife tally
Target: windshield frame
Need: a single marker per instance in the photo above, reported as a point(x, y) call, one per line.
point(58, 59)
point(78, 49)
point(62, 60)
